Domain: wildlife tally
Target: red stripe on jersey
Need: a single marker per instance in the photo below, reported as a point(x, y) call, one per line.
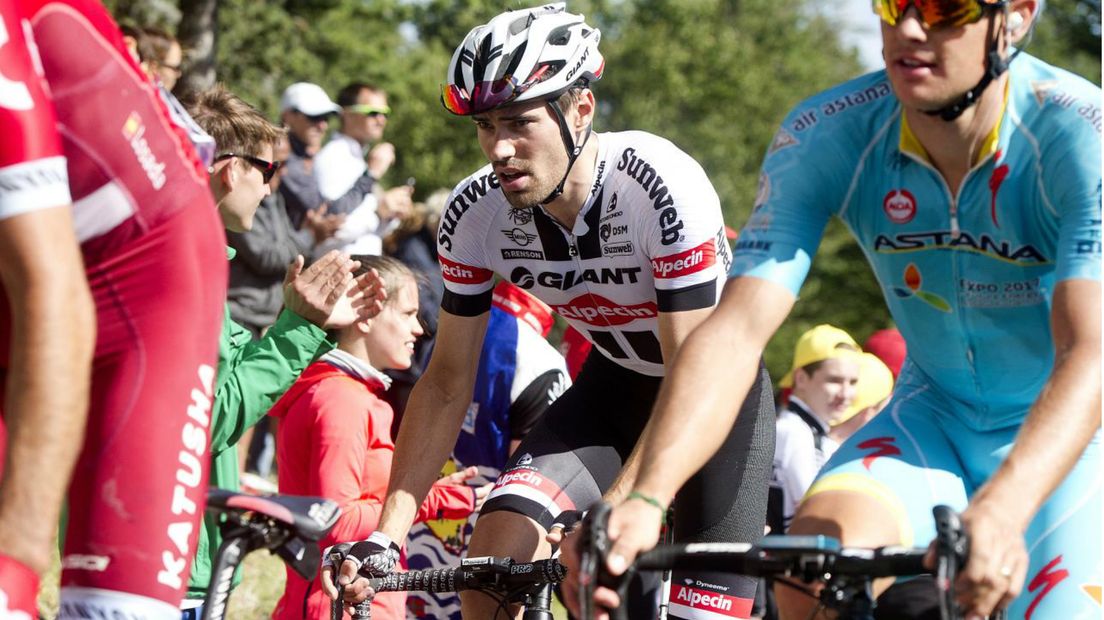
point(460, 273)
point(686, 262)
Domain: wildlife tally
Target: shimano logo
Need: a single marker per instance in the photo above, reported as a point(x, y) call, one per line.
point(570, 279)
point(643, 173)
point(135, 133)
point(525, 459)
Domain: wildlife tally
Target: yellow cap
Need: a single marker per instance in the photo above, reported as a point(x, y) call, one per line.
point(875, 385)
point(818, 344)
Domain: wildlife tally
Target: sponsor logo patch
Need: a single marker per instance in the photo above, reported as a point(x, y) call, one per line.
point(899, 206)
point(685, 263)
point(597, 310)
point(618, 249)
point(716, 603)
point(514, 254)
point(519, 236)
point(463, 274)
point(521, 217)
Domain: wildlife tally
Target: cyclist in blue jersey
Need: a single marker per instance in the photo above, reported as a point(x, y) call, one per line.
point(969, 173)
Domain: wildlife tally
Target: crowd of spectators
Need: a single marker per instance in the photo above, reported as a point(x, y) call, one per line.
point(307, 341)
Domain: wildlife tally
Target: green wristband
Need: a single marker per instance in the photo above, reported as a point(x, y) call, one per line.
point(648, 500)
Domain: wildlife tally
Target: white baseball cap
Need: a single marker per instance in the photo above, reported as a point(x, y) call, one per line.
point(307, 98)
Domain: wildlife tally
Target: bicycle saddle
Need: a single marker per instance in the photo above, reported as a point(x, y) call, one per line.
point(309, 518)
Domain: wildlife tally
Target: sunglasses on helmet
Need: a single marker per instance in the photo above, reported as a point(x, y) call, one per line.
point(935, 13)
point(268, 168)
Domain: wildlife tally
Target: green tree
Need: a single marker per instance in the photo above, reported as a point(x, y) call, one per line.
point(1068, 35)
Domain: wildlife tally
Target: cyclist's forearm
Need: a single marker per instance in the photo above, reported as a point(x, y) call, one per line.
point(1060, 425)
point(697, 404)
point(46, 408)
point(426, 438)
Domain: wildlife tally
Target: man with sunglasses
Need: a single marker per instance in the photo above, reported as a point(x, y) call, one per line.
point(621, 234)
point(306, 111)
point(969, 173)
point(349, 167)
point(252, 374)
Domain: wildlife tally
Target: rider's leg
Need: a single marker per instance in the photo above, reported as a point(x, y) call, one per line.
point(1063, 543)
point(138, 491)
point(880, 486)
point(565, 463)
point(502, 533)
point(726, 501)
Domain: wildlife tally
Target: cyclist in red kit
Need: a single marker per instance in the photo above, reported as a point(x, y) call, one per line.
point(80, 125)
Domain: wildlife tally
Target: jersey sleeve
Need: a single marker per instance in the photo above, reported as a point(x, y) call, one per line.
point(1072, 171)
point(534, 400)
point(461, 251)
point(682, 228)
point(800, 186)
point(32, 165)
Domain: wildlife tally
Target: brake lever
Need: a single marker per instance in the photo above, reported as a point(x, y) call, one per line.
point(952, 547)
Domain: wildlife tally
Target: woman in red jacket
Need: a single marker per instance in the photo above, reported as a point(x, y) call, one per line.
point(334, 437)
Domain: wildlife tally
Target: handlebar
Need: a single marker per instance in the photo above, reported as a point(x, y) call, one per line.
point(810, 558)
point(496, 574)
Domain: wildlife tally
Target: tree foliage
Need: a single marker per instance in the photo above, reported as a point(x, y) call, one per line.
point(713, 76)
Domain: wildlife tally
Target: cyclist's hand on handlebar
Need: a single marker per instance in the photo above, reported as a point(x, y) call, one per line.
point(634, 527)
point(561, 535)
point(996, 565)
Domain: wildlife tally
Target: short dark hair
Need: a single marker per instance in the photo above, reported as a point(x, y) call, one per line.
point(236, 126)
point(348, 96)
point(570, 97)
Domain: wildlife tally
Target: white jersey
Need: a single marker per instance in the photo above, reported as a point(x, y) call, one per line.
point(649, 239)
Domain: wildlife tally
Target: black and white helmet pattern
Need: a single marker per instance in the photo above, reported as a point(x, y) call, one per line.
point(523, 55)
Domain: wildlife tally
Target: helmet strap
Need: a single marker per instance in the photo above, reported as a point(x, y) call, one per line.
point(573, 148)
point(995, 65)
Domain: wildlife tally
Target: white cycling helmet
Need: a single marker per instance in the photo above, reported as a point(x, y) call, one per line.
point(523, 55)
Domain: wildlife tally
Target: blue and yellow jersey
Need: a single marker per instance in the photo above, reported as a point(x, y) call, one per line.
point(969, 272)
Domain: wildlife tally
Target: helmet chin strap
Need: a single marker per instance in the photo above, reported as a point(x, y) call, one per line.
point(573, 149)
point(995, 65)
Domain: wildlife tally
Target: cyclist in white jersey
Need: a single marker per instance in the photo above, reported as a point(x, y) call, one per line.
point(622, 235)
point(970, 175)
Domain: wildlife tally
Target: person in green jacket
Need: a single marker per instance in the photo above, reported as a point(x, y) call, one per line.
point(252, 374)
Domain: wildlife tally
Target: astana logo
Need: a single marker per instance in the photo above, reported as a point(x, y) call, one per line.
point(913, 281)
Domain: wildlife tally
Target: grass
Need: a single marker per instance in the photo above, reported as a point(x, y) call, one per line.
point(262, 584)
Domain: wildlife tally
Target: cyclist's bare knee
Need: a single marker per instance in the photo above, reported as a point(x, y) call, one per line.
point(857, 520)
point(502, 533)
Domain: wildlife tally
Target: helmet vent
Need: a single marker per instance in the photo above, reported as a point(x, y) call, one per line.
point(560, 36)
point(520, 24)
